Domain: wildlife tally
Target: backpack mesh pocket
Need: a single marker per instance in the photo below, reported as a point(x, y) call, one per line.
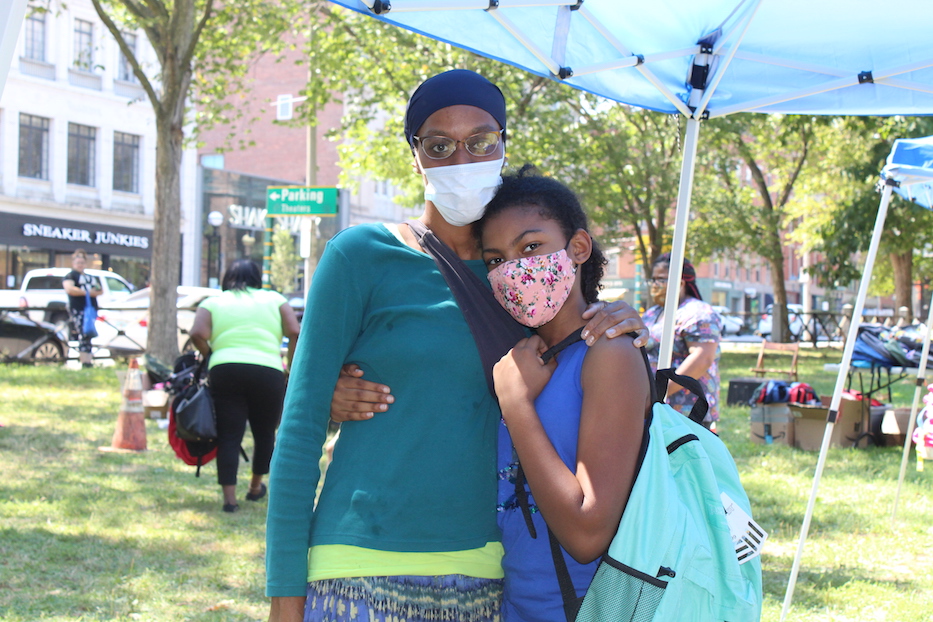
point(619, 592)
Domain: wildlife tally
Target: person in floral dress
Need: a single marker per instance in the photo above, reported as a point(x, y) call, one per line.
point(697, 332)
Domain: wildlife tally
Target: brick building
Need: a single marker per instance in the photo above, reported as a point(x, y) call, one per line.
point(279, 155)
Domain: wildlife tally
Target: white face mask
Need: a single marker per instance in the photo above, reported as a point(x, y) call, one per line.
point(460, 192)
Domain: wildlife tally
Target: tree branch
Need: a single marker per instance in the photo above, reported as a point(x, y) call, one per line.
point(362, 44)
point(789, 186)
point(137, 10)
point(156, 7)
point(757, 176)
point(196, 35)
point(146, 19)
point(525, 101)
point(130, 56)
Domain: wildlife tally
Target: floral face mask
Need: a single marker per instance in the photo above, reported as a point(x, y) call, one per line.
point(533, 289)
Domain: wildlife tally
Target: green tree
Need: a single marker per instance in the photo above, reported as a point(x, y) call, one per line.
point(627, 169)
point(373, 67)
point(746, 181)
point(623, 162)
point(203, 49)
point(840, 225)
point(284, 263)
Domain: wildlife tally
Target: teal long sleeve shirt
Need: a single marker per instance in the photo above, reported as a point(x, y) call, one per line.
point(419, 478)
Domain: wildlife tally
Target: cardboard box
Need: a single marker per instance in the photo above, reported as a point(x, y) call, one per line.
point(894, 426)
point(155, 404)
point(772, 423)
point(810, 424)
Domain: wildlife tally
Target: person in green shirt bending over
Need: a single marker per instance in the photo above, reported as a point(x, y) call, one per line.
point(241, 331)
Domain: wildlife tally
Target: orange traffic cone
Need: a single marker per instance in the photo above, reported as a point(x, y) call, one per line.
point(130, 434)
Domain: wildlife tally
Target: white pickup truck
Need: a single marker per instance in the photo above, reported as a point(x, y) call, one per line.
point(42, 291)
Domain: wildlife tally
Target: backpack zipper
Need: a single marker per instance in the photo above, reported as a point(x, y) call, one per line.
point(664, 571)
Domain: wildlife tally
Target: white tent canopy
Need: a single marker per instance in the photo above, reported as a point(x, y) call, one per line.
point(705, 60)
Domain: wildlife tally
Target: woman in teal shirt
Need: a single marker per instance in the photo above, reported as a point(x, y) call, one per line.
point(405, 527)
point(241, 330)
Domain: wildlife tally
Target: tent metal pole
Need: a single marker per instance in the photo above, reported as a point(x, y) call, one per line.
point(525, 42)
point(641, 68)
point(726, 60)
point(672, 300)
point(921, 381)
point(403, 6)
point(11, 19)
point(840, 385)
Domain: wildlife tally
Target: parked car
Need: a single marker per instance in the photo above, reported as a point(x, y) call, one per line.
point(794, 321)
point(42, 290)
point(731, 324)
point(128, 320)
point(22, 339)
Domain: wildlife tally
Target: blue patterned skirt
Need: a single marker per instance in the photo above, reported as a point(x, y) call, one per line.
point(453, 598)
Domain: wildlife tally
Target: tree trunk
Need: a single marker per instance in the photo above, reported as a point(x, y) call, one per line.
point(780, 331)
point(903, 271)
point(166, 247)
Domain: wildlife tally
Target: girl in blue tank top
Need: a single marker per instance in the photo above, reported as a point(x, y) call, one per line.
point(574, 423)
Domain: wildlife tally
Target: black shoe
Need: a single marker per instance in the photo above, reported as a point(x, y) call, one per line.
point(259, 495)
point(87, 365)
point(231, 507)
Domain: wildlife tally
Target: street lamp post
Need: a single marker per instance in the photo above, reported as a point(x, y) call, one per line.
point(248, 241)
point(214, 219)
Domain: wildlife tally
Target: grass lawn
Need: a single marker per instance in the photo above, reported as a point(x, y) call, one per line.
point(89, 535)
point(856, 565)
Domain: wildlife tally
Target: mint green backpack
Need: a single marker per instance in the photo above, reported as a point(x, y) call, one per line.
point(686, 549)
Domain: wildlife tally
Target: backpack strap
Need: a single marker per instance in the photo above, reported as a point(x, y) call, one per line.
point(493, 329)
point(699, 410)
point(565, 343)
point(521, 495)
point(567, 592)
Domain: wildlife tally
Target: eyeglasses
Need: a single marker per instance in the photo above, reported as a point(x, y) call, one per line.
point(657, 281)
point(442, 147)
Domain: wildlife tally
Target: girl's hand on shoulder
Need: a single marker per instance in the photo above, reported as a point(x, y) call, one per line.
point(613, 319)
point(521, 375)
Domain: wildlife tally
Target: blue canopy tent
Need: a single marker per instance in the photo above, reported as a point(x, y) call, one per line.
point(705, 60)
point(910, 171)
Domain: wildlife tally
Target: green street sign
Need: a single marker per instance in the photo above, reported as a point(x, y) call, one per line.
point(300, 201)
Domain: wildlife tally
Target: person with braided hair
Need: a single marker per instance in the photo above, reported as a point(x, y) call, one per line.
point(697, 333)
point(573, 416)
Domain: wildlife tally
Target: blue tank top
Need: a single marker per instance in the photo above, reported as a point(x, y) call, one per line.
point(531, 588)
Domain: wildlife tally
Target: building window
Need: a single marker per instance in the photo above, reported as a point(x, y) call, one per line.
point(283, 108)
point(125, 69)
point(214, 160)
point(33, 146)
point(84, 45)
point(125, 162)
point(81, 139)
point(35, 37)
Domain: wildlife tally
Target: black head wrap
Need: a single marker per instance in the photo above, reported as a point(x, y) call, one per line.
point(688, 275)
point(452, 88)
